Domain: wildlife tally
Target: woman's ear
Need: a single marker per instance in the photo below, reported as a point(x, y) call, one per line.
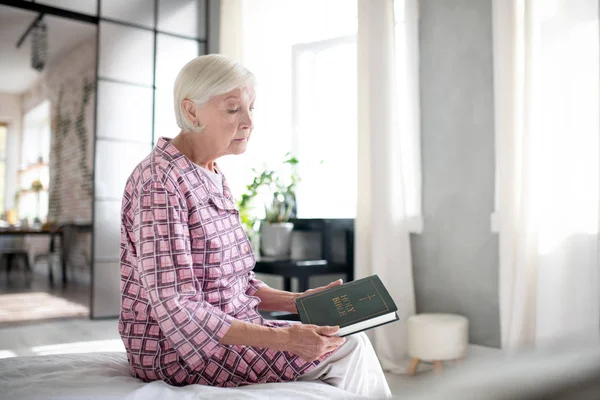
point(190, 110)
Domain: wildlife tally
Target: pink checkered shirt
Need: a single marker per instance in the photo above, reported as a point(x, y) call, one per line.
point(186, 273)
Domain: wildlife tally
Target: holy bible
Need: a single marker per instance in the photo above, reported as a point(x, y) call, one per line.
point(354, 306)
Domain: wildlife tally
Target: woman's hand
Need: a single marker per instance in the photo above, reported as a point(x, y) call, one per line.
point(329, 286)
point(279, 300)
point(310, 342)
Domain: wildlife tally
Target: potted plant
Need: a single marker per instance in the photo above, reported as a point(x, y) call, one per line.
point(276, 189)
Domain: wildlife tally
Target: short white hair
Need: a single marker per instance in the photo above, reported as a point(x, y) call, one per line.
point(205, 77)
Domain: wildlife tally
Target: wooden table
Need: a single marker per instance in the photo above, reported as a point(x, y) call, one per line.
point(304, 269)
point(301, 270)
point(53, 234)
point(43, 232)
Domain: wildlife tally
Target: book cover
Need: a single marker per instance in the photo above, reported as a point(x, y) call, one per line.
point(352, 303)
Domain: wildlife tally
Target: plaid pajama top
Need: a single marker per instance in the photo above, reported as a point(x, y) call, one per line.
point(186, 273)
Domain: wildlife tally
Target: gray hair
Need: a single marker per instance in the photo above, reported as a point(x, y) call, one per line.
point(205, 77)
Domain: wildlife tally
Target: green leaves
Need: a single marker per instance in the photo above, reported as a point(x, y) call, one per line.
point(277, 190)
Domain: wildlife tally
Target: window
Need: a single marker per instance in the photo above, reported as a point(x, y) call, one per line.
point(271, 58)
point(35, 154)
point(3, 132)
point(307, 99)
point(324, 134)
point(324, 114)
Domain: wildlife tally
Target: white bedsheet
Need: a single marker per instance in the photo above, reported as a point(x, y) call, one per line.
point(96, 376)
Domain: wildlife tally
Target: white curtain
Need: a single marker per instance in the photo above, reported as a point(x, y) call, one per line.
point(232, 44)
point(231, 29)
point(382, 234)
point(546, 74)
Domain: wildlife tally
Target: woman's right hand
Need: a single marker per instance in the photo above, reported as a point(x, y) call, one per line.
point(310, 342)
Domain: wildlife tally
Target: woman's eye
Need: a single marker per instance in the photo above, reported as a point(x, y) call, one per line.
point(233, 111)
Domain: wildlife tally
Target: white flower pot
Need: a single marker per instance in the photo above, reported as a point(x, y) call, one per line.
point(276, 238)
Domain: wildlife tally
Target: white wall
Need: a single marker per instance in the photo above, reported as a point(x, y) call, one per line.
point(455, 259)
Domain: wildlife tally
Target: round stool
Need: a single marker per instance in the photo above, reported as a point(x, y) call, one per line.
point(437, 338)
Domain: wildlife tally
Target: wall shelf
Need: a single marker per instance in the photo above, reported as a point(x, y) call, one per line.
point(27, 191)
point(33, 167)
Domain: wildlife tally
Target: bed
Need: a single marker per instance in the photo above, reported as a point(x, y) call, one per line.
point(562, 373)
point(99, 376)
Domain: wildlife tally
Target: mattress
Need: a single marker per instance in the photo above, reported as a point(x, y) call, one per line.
point(96, 376)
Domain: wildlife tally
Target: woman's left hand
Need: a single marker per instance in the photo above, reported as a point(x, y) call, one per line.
point(278, 300)
point(319, 289)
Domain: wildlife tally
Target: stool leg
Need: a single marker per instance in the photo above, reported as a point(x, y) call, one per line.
point(438, 366)
point(414, 364)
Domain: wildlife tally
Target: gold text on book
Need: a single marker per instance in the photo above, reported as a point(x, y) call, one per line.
point(343, 305)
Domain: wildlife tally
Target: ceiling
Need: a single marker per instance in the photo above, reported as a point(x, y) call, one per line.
point(16, 74)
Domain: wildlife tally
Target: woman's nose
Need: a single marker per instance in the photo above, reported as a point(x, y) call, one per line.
point(247, 121)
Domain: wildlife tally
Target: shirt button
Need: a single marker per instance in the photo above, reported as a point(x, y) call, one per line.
point(246, 248)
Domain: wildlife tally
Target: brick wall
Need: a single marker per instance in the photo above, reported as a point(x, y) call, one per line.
point(70, 81)
point(69, 85)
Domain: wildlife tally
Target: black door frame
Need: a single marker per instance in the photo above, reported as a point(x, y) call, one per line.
point(96, 20)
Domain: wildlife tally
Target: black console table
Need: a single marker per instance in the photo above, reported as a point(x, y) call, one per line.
point(304, 269)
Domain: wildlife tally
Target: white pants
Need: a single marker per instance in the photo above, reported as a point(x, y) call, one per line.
point(353, 367)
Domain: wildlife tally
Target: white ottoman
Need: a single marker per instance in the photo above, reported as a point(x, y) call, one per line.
point(436, 337)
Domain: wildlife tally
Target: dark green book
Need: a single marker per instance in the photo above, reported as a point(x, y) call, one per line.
point(354, 306)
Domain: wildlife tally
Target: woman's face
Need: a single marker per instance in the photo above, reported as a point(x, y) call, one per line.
point(227, 121)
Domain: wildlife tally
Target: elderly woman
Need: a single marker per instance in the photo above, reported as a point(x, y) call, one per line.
point(189, 306)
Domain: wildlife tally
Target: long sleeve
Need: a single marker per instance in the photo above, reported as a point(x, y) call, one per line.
point(186, 275)
point(193, 327)
point(253, 284)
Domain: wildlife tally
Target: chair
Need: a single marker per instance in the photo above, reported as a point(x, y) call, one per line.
point(12, 250)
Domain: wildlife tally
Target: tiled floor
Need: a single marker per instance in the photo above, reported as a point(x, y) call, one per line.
point(74, 291)
point(17, 284)
point(84, 335)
